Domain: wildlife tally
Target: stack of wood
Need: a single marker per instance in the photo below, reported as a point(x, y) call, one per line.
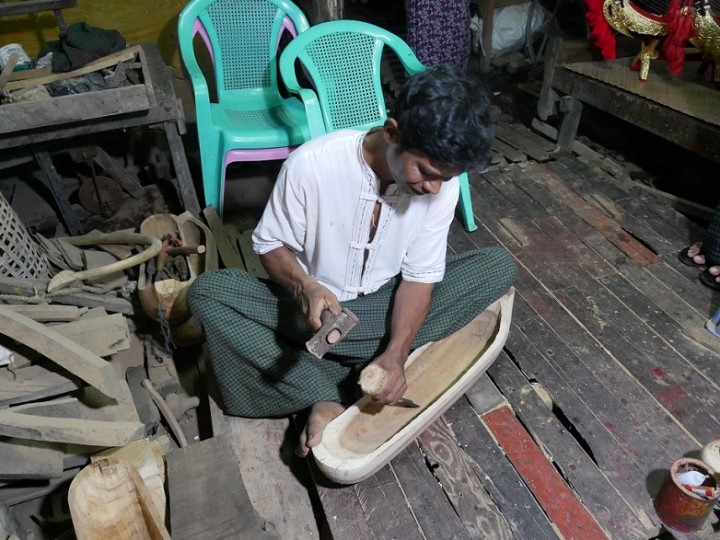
point(82, 378)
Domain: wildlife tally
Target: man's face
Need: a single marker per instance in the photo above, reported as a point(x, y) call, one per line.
point(416, 174)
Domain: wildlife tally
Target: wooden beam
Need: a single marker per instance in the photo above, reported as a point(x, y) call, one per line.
point(69, 430)
point(66, 353)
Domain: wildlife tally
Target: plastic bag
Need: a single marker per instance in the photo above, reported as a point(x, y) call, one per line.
point(509, 24)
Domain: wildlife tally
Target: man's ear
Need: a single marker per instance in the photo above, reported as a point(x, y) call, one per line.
point(391, 131)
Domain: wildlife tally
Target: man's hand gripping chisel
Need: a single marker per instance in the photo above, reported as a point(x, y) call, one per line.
point(333, 330)
point(372, 381)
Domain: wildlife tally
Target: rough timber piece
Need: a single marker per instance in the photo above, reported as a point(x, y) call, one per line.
point(102, 336)
point(95, 65)
point(118, 173)
point(68, 354)
point(226, 243)
point(529, 143)
point(33, 383)
point(108, 499)
point(69, 430)
point(29, 460)
point(42, 313)
point(273, 475)
point(110, 302)
point(196, 475)
point(368, 435)
point(251, 259)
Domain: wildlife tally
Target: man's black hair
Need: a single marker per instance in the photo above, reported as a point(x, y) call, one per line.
point(445, 114)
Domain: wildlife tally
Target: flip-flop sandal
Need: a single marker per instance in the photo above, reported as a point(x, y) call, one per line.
point(708, 280)
point(684, 258)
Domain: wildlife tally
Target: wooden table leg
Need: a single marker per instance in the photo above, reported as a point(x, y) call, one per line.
point(571, 109)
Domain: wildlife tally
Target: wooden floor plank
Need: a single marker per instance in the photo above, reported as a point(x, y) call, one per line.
point(344, 515)
point(587, 258)
point(498, 477)
point(518, 197)
point(557, 499)
point(695, 356)
point(595, 217)
point(683, 280)
point(594, 489)
point(635, 418)
point(666, 298)
point(453, 470)
point(427, 498)
point(522, 177)
point(575, 391)
point(662, 236)
point(683, 392)
point(386, 506)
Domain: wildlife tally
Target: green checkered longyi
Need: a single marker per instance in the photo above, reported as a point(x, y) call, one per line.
point(256, 334)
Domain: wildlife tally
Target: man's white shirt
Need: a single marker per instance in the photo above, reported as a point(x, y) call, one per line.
point(321, 209)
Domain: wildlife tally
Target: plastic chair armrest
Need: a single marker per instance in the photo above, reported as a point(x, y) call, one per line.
point(316, 124)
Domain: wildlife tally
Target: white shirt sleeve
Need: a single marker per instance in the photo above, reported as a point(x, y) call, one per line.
point(283, 222)
point(424, 260)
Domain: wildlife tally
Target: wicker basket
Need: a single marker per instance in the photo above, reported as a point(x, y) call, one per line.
point(20, 255)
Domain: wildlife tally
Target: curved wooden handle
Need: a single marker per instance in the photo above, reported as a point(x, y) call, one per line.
point(66, 277)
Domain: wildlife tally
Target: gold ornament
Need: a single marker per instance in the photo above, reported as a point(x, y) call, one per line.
point(706, 37)
point(627, 20)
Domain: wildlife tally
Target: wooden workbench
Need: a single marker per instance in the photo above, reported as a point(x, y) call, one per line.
point(683, 110)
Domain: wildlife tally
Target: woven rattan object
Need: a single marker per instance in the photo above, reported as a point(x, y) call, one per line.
point(20, 255)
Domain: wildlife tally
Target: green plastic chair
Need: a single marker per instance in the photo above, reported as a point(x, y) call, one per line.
point(342, 60)
point(249, 120)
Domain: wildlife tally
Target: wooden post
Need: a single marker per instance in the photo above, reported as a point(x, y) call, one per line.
point(546, 101)
point(571, 109)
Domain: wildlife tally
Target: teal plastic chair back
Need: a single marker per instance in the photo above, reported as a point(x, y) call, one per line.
point(342, 59)
point(249, 120)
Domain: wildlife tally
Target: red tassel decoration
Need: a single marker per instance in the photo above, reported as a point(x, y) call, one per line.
point(600, 30)
point(679, 31)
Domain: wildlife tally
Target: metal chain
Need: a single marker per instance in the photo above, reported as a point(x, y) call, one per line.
point(165, 327)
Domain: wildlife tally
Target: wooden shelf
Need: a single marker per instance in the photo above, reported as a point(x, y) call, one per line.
point(24, 7)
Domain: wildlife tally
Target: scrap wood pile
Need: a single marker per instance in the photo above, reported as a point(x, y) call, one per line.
point(85, 373)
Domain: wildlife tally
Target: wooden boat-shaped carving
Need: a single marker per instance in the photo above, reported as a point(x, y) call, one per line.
point(168, 295)
point(367, 435)
point(108, 499)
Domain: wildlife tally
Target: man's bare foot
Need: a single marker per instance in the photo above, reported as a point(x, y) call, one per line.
point(694, 252)
point(321, 414)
